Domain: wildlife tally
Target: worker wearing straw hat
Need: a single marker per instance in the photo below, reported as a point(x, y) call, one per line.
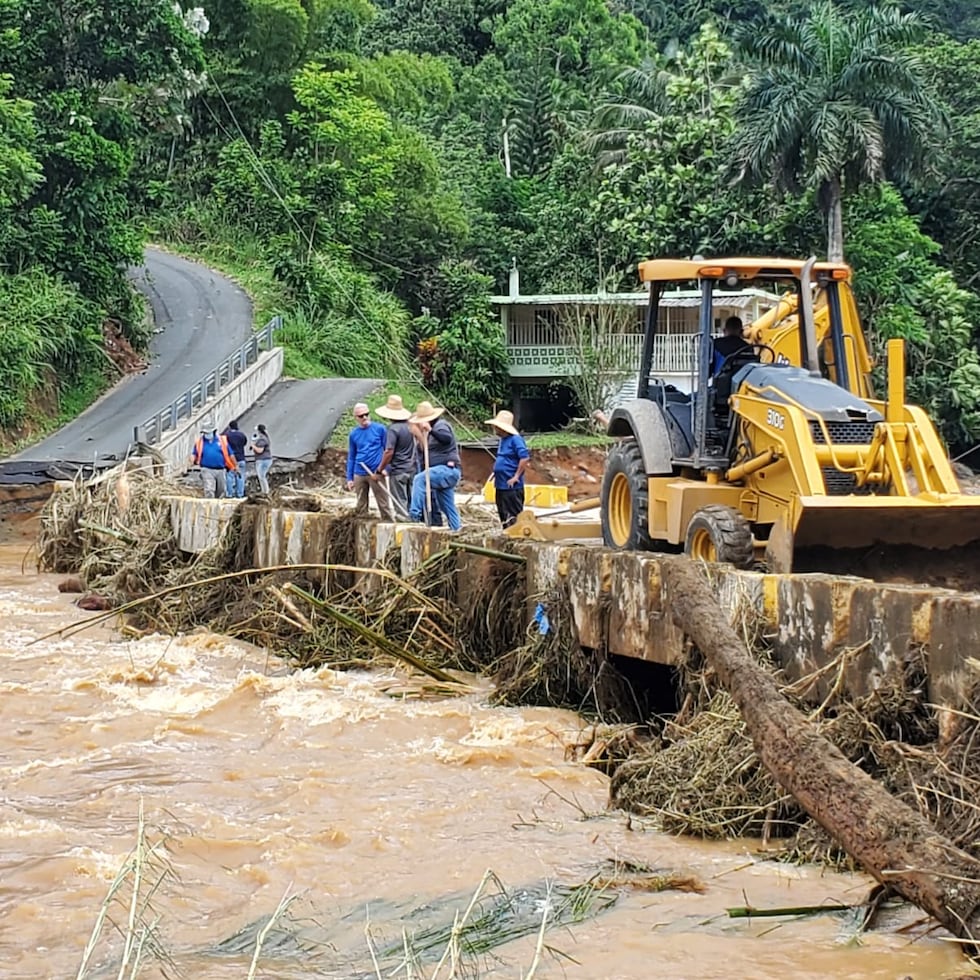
point(400, 458)
point(509, 467)
point(436, 484)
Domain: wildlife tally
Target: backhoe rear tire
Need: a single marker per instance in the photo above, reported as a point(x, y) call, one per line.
point(720, 534)
point(624, 500)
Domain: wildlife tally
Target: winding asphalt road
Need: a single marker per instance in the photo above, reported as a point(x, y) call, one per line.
point(200, 317)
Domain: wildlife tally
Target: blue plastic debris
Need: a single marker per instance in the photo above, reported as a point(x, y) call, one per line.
point(541, 618)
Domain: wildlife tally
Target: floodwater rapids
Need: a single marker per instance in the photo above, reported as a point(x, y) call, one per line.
point(256, 783)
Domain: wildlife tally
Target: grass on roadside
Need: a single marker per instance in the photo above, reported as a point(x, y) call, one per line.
point(567, 439)
point(40, 420)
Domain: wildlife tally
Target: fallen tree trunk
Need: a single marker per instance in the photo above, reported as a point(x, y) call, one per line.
point(891, 841)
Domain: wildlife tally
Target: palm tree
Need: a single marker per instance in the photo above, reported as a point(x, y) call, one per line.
point(833, 101)
point(640, 99)
point(642, 96)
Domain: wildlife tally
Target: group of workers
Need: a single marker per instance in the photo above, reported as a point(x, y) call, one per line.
point(412, 465)
point(222, 458)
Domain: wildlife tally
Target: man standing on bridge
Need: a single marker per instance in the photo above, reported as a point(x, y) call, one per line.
point(508, 468)
point(399, 459)
point(237, 443)
point(365, 450)
point(211, 453)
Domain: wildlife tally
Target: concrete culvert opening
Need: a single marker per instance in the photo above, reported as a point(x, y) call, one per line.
point(655, 686)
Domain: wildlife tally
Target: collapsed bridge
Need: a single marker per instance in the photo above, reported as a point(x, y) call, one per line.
point(622, 603)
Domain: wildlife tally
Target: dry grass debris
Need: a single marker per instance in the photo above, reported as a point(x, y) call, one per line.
point(551, 666)
point(699, 773)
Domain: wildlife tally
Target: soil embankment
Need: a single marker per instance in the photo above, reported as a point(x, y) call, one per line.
point(578, 468)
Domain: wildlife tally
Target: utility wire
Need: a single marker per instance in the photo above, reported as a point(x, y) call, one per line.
point(307, 237)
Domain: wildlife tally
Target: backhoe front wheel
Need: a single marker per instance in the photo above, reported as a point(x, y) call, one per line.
point(624, 500)
point(720, 534)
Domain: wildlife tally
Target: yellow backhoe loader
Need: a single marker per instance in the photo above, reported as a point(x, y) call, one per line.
point(780, 453)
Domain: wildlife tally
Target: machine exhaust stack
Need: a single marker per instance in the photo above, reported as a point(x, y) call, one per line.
point(806, 310)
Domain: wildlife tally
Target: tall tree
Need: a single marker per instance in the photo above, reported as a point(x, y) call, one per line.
point(556, 55)
point(100, 77)
point(636, 100)
point(949, 201)
point(454, 28)
point(668, 196)
point(835, 100)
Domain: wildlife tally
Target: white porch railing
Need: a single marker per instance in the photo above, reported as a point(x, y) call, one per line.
point(672, 354)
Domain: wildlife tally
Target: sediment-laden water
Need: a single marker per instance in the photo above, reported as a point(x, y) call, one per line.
point(378, 815)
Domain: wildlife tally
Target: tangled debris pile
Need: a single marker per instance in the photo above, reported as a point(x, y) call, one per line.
point(550, 666)
point(699, 773)
point(115, 533)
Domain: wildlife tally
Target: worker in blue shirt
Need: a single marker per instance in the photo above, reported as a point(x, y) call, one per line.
point(365, 449)
point(508, 469)
point(237, 443)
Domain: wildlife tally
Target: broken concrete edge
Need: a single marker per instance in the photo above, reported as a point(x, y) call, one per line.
point(621, 603)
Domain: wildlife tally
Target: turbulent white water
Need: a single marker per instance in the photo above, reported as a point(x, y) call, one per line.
point(261, 784)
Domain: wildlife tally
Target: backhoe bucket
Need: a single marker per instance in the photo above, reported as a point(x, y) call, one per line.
point(929, 538)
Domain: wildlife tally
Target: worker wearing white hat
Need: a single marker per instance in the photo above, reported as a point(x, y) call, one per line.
point(400, 457)
point(509, 467)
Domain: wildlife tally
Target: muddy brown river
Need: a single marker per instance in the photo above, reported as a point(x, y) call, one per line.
point(378, 816)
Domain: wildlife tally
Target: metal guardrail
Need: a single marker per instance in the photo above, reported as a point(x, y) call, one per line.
point(198, 395)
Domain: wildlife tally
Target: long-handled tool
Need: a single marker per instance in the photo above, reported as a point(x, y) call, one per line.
point(387, 489)
point(587, 503)
point(428, 481)
point(399, 506)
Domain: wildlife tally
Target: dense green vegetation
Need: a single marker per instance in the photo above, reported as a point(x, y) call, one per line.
point(386, 161)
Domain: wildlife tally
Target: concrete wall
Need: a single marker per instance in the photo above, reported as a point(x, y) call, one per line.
point(231, 402)
point(199, 523)
point(620, 602)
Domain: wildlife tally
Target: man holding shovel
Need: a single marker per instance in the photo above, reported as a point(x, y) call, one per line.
point(400, 458)
point(441, 472)
point(365, 448)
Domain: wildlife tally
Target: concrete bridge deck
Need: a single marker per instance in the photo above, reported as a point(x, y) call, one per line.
point(621, 603)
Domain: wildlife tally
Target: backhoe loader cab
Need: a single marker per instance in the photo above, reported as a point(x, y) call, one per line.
point(780, 447)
